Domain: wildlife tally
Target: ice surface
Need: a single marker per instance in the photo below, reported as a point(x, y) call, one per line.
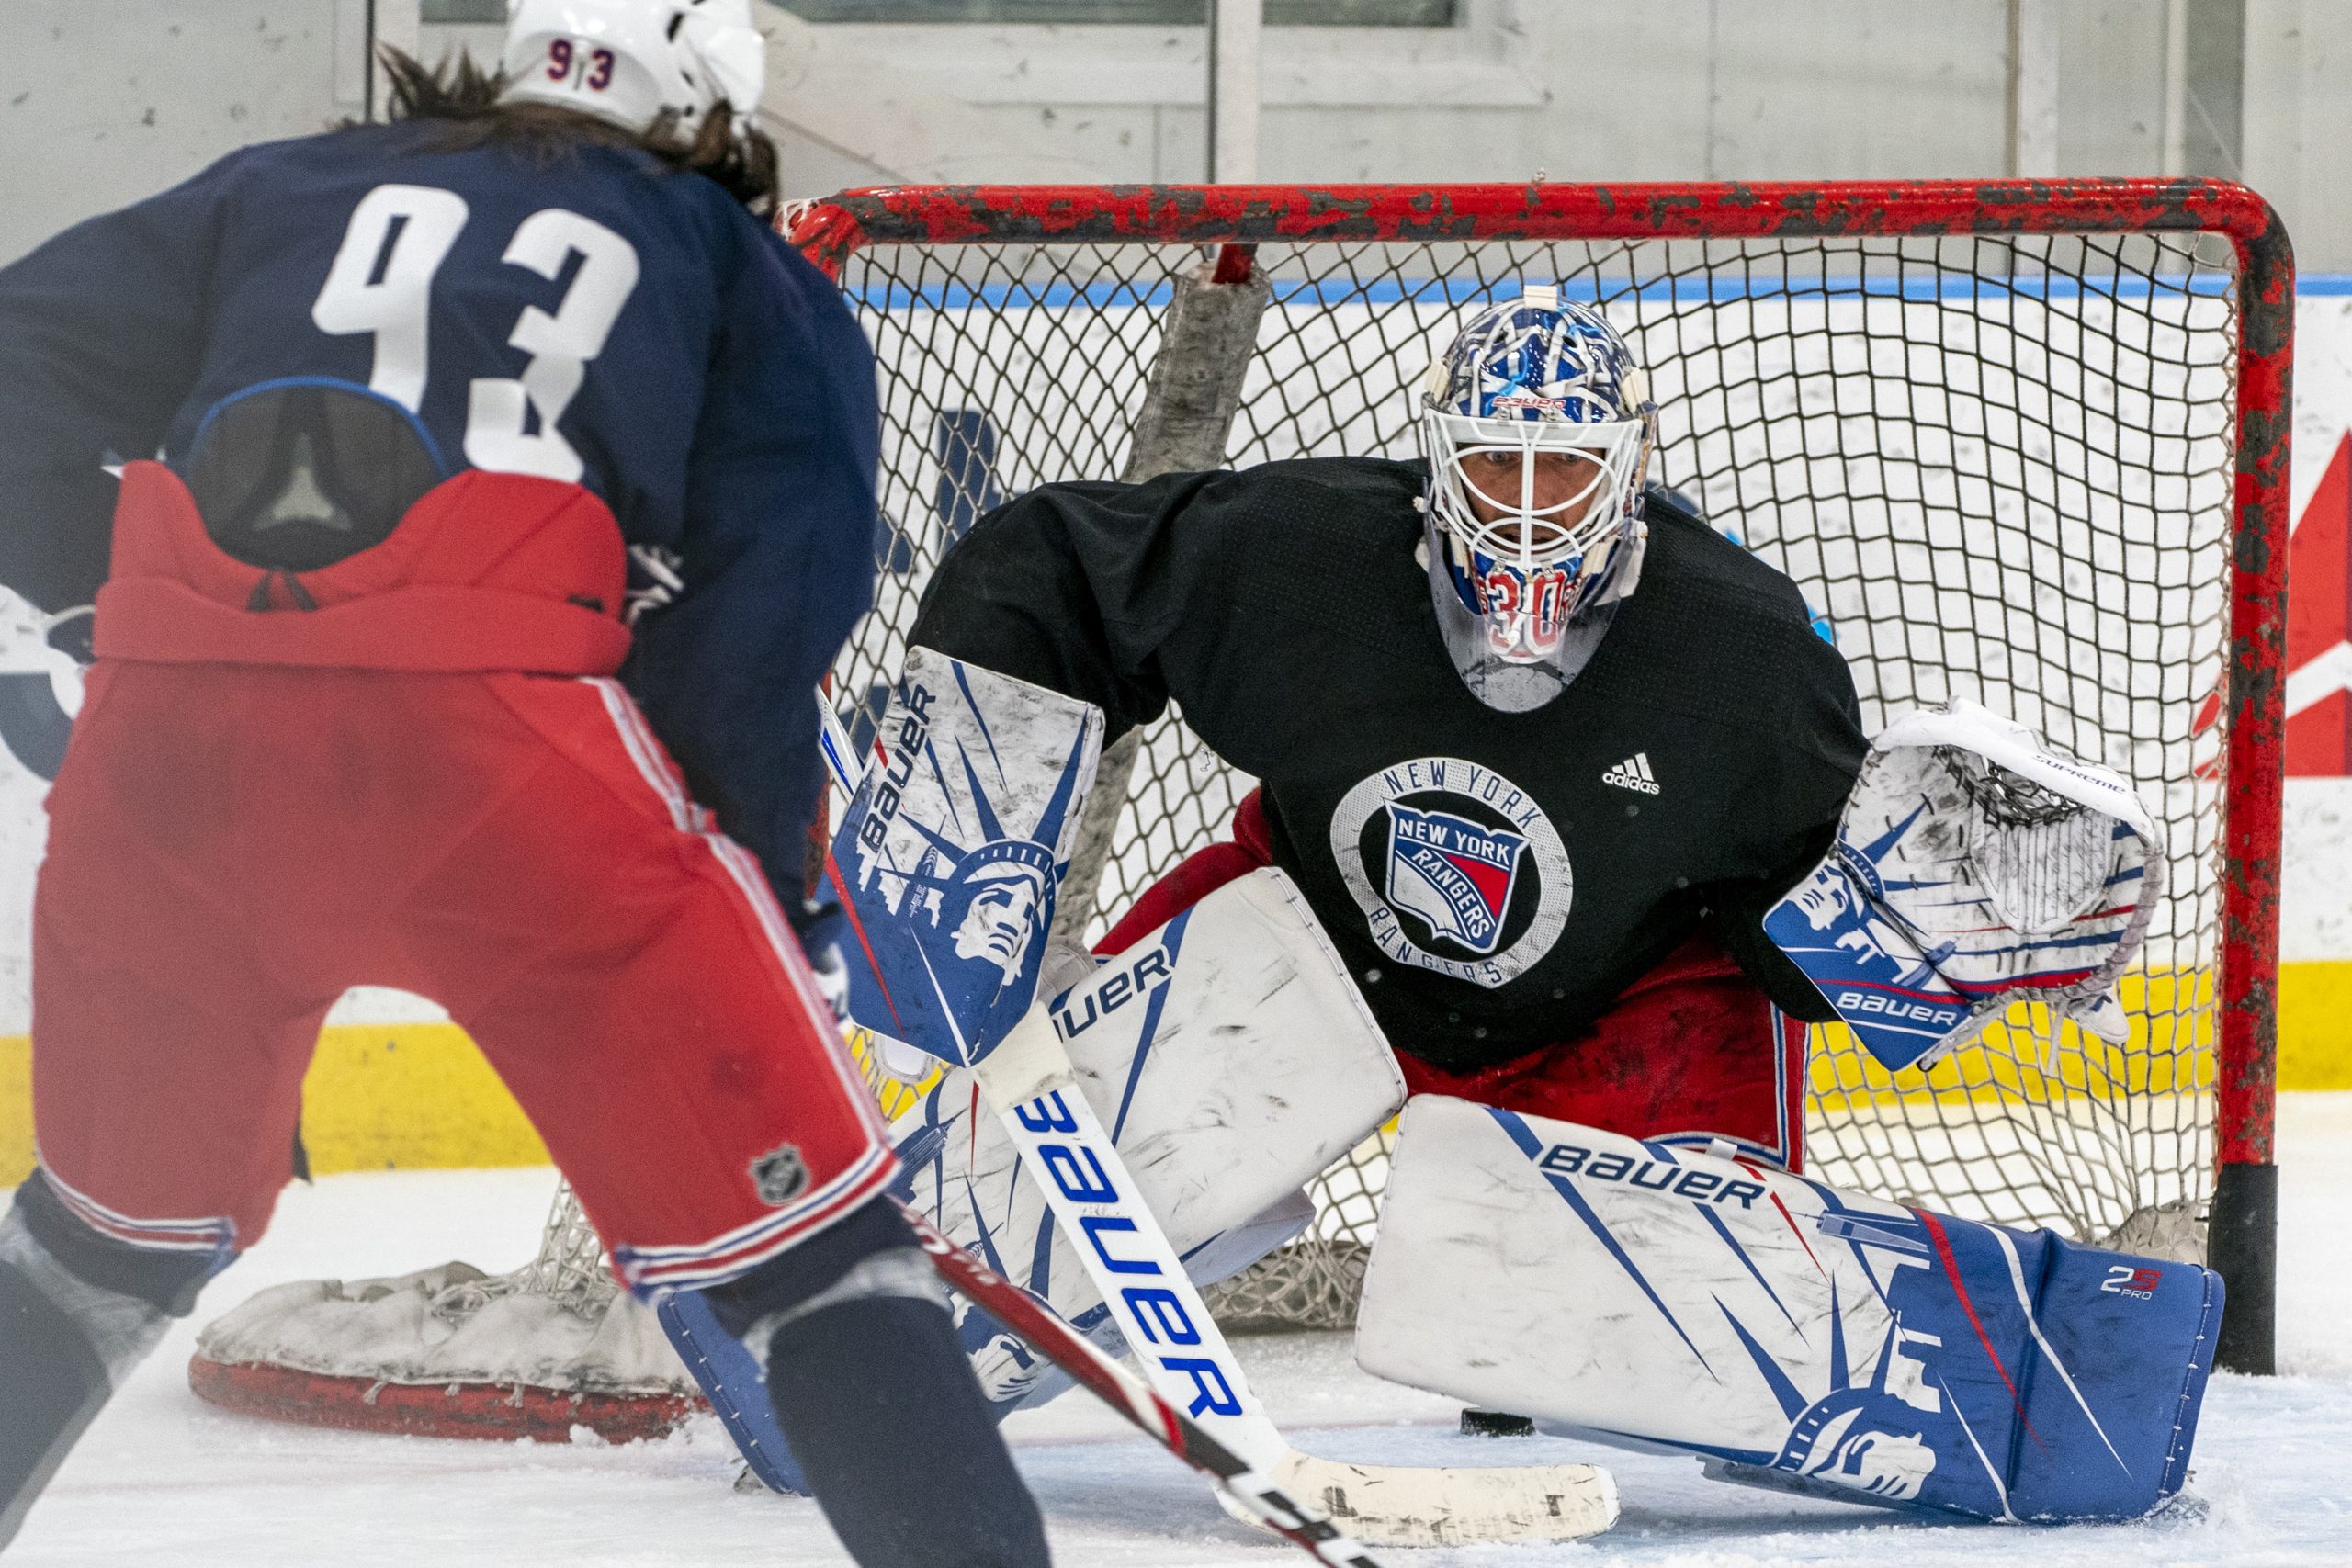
point(163, 1477)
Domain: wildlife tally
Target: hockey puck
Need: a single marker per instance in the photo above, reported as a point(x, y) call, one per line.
point(1496, 1424)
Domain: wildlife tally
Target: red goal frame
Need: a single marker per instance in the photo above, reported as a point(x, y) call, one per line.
point(2241, 1237)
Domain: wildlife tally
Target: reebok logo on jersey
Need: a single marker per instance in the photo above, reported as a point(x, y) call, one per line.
point(1632, 773)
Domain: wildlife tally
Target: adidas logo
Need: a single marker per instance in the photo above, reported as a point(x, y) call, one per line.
point(1632, 773)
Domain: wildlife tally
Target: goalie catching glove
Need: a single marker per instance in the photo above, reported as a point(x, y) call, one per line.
point(1975, 867)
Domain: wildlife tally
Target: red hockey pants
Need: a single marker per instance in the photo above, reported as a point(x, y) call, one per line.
point(233, 844)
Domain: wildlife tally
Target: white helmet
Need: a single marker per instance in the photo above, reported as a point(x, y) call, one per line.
point(626, 61)
point(1514, 580)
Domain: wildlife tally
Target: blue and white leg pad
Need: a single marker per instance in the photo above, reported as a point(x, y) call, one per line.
point(734, 1378)
point(1231, 1061)
point(1788, 1333)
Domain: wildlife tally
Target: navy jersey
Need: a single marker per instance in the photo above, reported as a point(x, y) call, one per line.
point(590, 315)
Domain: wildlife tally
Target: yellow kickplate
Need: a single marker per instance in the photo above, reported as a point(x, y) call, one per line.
point(16, 1108)
point(2315, 1026)
point(408, 1096)
point(403, 1096)
point(378, 1097)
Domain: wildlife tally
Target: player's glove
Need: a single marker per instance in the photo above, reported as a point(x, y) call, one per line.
point(818, 923)
point(823, 929)
point(832, 978)
point(656, 578)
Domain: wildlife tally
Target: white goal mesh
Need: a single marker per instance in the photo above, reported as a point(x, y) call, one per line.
point(1998, 458)
point(1998, 467)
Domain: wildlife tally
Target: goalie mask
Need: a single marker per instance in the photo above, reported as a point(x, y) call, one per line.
point(1537, 426)
point(630, 62)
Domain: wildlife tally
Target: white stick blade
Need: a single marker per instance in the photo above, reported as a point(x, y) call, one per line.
point(1455, 1506)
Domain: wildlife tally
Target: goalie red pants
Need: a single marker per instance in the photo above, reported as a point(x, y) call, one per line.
point(247, 824)
point(1692, 1051)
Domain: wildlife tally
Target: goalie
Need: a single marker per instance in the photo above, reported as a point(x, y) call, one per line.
point(1538, 747)
point(1583, 806)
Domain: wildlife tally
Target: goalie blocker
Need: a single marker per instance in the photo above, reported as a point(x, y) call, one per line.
point(1230, 1064)
point(1789, 1334)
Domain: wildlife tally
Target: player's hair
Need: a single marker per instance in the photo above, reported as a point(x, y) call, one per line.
point(465, 100)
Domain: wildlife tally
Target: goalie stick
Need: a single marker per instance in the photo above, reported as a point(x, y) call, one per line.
point(1243, 1489)
point(1029, 1082)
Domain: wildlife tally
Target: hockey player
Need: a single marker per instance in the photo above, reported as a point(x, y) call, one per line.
point(368, 707)
point(1538, 746)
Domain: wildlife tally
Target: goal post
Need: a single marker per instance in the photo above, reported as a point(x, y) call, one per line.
point(2020, 440)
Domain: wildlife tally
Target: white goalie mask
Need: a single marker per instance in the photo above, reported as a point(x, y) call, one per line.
point(631, 61)
point(1537, 426)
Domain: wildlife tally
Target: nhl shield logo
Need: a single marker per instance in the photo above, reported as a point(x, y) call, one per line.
point(780, 1175)
point(1454, 873)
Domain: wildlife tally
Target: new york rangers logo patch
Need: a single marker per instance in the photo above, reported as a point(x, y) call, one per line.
point(1457, 870)
point(1454, 873)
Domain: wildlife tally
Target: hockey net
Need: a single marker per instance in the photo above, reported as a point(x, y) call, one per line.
point(2008, 440)
point(2017, 442)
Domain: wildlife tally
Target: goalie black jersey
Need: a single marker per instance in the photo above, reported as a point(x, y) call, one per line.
point(1493, 880)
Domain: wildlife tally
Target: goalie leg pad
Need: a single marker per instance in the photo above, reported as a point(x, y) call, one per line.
point(1015, 1378)
point(723, 1334)
point(1785, 1330)
point(1231, 1061)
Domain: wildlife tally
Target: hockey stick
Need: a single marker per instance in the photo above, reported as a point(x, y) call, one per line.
point(1029, 1081)
point(1243, 1488)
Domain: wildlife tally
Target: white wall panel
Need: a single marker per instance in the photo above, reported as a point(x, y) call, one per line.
point(105, 101)
point(2298, 122)
point(1837, 89)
